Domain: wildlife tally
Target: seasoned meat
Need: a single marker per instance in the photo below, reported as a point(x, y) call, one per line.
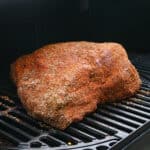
point(60, 83)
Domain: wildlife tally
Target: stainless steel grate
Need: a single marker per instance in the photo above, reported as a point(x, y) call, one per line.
point(111, 127)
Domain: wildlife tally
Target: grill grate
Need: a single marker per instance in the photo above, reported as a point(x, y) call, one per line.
point(111, 126)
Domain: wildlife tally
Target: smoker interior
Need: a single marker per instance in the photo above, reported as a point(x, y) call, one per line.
point(28, 25)
point(111, 126)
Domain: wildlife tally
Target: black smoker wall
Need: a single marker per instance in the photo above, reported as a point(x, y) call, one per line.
point(125, 21)
point(28, 24)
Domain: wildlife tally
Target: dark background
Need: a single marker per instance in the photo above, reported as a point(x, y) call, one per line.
point(28, 24)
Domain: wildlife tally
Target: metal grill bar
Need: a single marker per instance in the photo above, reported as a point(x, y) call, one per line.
point(115, 120)
point(64, 137)
point(91, 131)
point(119, 118)
point(6, 102)
point(83, 136)
point(113, 123)
point(140, 102)
point(10, 137)
point(125, 113)
point(31, 123)
point(143, 97)
point(133, 110)
point(20, 134)
point(50, 141)
point(134, 105)
point(20, 125)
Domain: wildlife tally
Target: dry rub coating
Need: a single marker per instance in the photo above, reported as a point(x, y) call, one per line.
point(60, 83)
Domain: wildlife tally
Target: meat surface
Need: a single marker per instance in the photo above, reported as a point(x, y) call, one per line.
point(60, 83)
